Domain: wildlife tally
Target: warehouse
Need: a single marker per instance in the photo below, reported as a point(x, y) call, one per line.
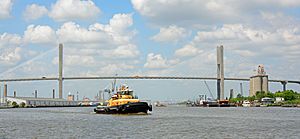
point(41, 102)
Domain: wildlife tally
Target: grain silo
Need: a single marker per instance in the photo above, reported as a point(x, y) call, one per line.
point(259, 82)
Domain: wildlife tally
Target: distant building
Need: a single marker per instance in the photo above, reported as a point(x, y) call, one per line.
point(70, 97)
point(231, 94)
point(259, 82)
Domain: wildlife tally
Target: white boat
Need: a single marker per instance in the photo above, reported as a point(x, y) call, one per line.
point(246, 103)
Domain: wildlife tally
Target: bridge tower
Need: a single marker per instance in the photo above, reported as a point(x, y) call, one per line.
point(220, 73)
point(60, 71)
point(5, 93)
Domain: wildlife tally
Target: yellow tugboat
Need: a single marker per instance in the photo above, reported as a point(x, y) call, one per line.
point(124, 102)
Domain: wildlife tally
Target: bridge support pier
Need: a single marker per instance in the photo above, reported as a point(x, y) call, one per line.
point(5, 93)
point(218, 89)
point(53, 93)
point(283, 85)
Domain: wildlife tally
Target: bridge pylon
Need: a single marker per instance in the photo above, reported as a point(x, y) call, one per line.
point(220, 73)
point(60, 71)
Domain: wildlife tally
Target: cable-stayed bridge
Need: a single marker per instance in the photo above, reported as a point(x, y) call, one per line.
point(219, 78)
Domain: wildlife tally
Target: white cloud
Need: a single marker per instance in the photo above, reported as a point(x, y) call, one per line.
point(124, 51)
point(142, 7)
point(156, 61)
point(170, 34)
point(114, 39)
point(238, 33)
point(227, 32)
point(247, 44)
point(83, 51)
point(39, 34)
point(10, 50)
point(71, 32)
point(246, 53)
point(77, 60)
point(190, 12)
point(112, 34)
point(9, 40)
point(106, 42)
point(188, 50)
point(10, 56)
point(34, 11)
point(112, 69)
point(203, 64)
point(279, 3)
point(173, 11)
point(120, 22)
point(64, 10)
point(40, 70)
point(5, 6)
point(117, 28)
point(83, 45)
point(250, 30)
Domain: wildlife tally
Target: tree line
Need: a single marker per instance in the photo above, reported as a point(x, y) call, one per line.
point(290, 96)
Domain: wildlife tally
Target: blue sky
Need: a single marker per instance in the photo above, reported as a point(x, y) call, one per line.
point(148, 38)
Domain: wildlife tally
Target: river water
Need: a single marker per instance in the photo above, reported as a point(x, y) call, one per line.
point(164, 122)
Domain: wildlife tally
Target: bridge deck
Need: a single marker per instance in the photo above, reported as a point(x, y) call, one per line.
point(136, 77)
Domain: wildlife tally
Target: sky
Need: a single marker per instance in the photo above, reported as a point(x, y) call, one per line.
point(147, 38)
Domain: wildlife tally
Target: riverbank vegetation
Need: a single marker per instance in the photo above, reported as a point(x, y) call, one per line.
point(290, 97)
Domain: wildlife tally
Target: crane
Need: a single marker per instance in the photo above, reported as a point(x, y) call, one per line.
point(209, 90)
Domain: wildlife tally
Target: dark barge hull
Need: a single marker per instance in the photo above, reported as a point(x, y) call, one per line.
point(138, 107)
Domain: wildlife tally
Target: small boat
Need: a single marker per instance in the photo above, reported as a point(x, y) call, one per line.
point(246, 103)
point(158, 104)
point(123, 102)
point(210, 103)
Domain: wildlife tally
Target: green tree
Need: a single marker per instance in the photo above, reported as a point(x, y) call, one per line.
point(287, 95)
point(235, 100)
point(252, 98)
point(259, 95)
point(270, 95)
point(279, 94)
point(239, 96)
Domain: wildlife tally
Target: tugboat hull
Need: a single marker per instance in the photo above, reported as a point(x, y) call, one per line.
point(137, 107)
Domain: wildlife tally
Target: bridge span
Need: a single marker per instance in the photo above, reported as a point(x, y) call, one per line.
point(138, 78)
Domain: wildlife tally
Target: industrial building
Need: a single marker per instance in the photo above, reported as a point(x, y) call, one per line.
point(37, 101)
point(259, 82)
point(70, 97)
point(42, 102)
